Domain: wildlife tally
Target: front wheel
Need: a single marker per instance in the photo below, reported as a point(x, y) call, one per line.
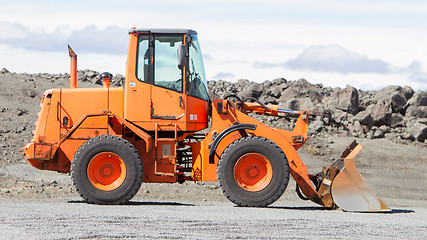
point(253, 172)
point(107, 170)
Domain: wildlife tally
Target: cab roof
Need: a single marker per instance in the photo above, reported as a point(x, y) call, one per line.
point(163, 30)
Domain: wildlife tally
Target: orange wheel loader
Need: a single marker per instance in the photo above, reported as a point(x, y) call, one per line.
point(162, 127)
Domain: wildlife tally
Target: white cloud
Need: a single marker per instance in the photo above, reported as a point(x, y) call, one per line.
point(111, 40)
point(91, 39)
point(222, 75)
point(334, 58)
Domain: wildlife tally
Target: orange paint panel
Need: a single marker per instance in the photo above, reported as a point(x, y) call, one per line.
point(52, 127)
point(68, 148)
point(137, 101)
point(196, 114)
point(42, 116)
point(85, 133)
point(115, 101)
point(166, 103)
point(79, 101)
point(95, 122)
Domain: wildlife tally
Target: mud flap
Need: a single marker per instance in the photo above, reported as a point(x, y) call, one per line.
point(349, 190)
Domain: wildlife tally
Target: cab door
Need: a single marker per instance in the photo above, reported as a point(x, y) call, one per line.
point(154, 82)
point(167, 95)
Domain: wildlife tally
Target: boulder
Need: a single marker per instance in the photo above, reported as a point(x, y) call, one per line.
point(357, 127)
point(279, 81)
point(381, 112)
point(396, 120)
point(253, 90)
point(320, 110)
point(297, 104)
point(418, 131)
point(378, 133)
point(366, 98)
point(275, 90)
point(408, 92)
point(385, 129)
point(395, 95)
point(418, 99)
point(268, 99)
point(340, 116)
point(365, 118)
point(406, 136)
point(418, 112)
point(398, 102)
point(346, 99)
point(300, 89)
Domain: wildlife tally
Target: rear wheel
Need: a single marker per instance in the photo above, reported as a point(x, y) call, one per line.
point(107, 170)
point(253, 172)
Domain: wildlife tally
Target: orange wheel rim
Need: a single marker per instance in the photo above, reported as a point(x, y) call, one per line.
point(106, 171)
point(253, 172)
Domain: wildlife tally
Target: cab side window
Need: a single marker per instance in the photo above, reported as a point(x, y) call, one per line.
point(158, 62)
point(143, 58)
point(166, 71)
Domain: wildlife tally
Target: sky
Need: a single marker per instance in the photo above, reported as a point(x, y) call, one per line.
point(365, 44)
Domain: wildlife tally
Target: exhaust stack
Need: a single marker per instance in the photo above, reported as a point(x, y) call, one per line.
point(73, 68)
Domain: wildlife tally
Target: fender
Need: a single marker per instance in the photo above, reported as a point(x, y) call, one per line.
point(240, 126)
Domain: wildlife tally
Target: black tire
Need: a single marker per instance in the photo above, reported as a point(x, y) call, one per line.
point(103, 145)
point(269, 193)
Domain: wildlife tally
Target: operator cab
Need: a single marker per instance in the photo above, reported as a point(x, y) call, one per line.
point(165, 80)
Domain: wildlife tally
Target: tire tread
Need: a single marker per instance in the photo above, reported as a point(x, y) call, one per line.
point(237, 201)
point(119, 141)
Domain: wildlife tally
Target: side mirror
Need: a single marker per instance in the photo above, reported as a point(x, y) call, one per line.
point(182, 56)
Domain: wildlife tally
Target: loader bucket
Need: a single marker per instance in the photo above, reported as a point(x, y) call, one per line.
point(349, 190)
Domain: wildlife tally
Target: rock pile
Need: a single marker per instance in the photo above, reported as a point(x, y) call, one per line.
point(93, 77)
point(395, 112)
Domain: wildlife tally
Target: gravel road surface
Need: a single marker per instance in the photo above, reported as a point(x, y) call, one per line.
point(74, 219)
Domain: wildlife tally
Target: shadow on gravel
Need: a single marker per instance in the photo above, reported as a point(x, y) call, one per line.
point(134, 203)
point(401, 211)
point(393, 211)
point(301, 208)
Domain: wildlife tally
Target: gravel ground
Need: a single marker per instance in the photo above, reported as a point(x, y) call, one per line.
point(38, 204)
point(74, 219)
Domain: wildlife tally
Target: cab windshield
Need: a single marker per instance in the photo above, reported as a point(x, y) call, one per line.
point(197, 80)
